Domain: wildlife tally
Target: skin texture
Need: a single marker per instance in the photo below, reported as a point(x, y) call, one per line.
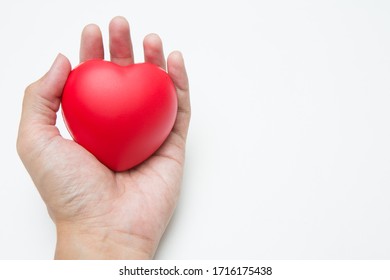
point(98, 213)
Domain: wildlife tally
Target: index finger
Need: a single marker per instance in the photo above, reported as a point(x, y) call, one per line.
point(91, 45)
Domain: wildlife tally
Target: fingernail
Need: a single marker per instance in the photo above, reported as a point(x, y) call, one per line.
point(56, 60)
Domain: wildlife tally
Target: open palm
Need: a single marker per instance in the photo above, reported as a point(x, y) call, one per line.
point(100, 213)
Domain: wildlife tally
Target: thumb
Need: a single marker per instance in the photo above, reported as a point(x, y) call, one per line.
point(40, 104)
point(42, 98)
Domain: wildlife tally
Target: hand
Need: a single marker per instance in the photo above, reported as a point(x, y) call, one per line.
point(98, 213)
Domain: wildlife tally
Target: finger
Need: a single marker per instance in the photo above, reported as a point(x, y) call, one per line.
point(153, 50)
point(42, 98)
point(121, 49)
point(40, 104)
point(91, 45)
point(178, 74)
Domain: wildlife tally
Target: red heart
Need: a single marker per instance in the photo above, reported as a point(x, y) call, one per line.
point(121, 114)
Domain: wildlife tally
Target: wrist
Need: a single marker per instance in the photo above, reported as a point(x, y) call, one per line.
point(75, 242)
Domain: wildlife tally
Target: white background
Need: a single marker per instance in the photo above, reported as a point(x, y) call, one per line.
point(289, 148)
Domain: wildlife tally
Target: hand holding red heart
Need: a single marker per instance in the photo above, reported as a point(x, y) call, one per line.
point(100, 213)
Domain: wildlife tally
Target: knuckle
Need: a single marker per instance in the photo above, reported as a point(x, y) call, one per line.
point(30, 88)
point(33, 87)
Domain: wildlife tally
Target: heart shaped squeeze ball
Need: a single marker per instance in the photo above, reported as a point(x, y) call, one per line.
point(121, 114)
